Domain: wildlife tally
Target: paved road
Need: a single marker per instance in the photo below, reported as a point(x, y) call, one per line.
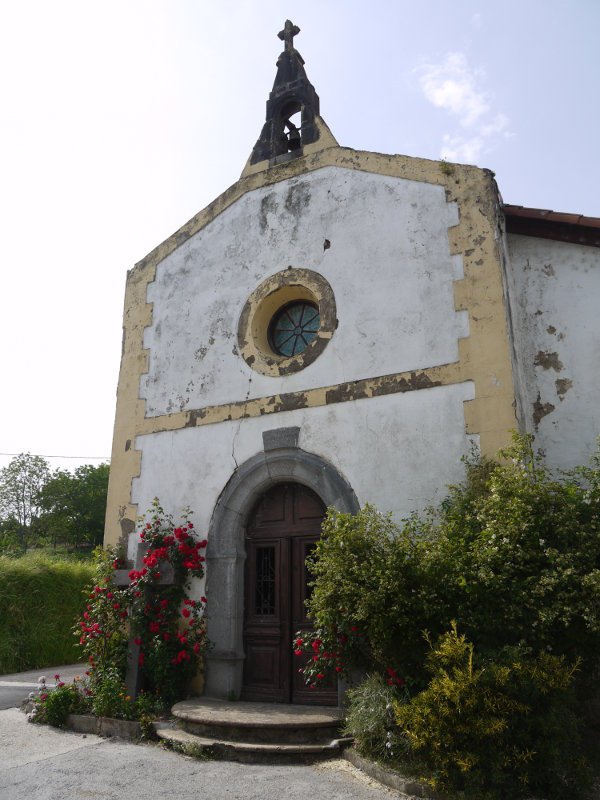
point(15, 688)
point(42, 763)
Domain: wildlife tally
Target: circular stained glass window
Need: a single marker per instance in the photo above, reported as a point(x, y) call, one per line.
point(294, 327)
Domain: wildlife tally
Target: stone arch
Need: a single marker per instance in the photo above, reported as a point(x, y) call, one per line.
point(226, 555)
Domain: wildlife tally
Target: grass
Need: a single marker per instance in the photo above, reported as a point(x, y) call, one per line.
point(41, 597)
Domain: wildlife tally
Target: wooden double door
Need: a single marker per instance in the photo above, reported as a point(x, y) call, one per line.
point(281, 532)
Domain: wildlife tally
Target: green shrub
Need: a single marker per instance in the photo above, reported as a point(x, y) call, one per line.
point(103, 696)
point(370, 720)
point(526, 555)
point(496, 729)
point(53, 706)
point(513, 555)
point(40, 598)
point(110, 698)
point(368, 583)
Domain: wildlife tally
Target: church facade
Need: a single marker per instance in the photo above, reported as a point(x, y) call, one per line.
point(339, 327)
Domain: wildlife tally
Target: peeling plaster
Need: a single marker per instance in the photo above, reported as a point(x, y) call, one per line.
point(562, 387)
point(541, 410)
point(548, 361)
point(554, 291)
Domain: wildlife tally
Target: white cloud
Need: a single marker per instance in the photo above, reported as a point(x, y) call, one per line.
point(464, 149)
point(497, 125)
point(459, 89)
point(452, 86)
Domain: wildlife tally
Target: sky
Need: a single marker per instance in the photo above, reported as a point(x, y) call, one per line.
point(121, 120)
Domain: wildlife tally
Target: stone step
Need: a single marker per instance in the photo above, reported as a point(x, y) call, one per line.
point(259, 723)
point(250, 752)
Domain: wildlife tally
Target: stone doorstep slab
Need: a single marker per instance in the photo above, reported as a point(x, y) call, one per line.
point(166, 732)
point(240, 714)
point(107, 727)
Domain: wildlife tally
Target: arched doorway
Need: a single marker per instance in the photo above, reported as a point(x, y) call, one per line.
point(226, 551)
point(281, 532)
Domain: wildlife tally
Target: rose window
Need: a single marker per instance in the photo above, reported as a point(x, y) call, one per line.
point(294, 327)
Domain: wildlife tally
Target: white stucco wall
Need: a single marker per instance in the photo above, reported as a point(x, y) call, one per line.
point(554, 290)
point(398, 452)
point(388, 264)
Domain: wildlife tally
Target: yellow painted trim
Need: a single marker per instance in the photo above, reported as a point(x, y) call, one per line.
point(125, 462)
point(400, 382)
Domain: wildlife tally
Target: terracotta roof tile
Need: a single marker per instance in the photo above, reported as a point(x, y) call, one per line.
point(547, 224)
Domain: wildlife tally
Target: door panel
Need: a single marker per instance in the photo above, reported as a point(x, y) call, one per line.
point(281, 532)
point(265, 615)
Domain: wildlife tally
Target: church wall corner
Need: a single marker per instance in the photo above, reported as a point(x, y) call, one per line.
point(125, 463)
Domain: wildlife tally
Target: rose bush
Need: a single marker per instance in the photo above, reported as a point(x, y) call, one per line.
point(165, 622)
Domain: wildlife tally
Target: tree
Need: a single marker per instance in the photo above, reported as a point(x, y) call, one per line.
point(20, 485)
point(74, 505)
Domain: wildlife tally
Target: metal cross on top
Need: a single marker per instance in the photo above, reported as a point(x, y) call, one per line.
point(287, 34)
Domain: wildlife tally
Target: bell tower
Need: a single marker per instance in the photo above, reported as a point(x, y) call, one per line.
point(282, 138)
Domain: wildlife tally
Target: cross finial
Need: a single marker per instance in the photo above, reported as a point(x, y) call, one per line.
point(287, 34)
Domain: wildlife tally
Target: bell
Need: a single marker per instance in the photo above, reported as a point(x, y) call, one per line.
point(294, 140)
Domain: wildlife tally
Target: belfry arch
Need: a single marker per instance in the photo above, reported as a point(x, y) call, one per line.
point(226, 549)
